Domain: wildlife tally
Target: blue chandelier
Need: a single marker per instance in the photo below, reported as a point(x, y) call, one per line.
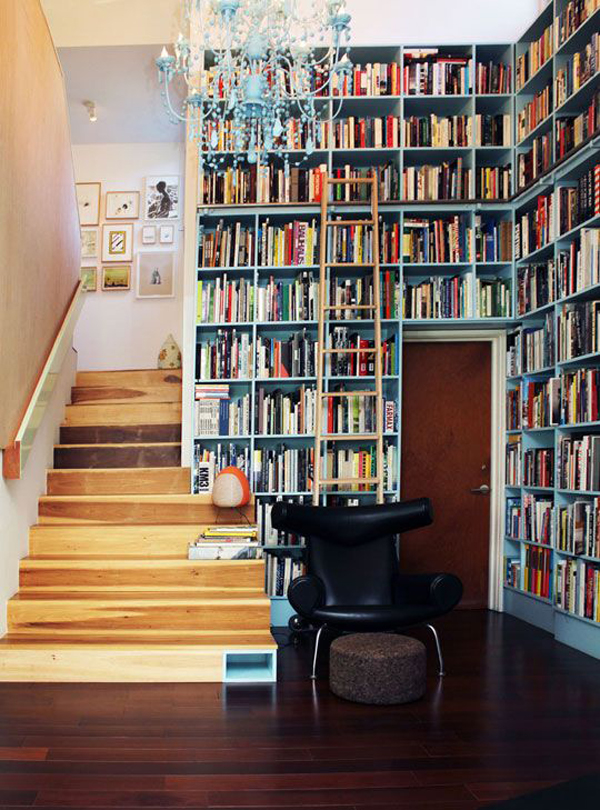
point(254, 70)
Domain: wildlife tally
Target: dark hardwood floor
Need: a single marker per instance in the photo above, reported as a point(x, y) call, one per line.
point(516, 712)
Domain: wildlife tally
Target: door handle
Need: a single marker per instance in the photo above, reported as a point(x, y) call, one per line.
point(482, 490)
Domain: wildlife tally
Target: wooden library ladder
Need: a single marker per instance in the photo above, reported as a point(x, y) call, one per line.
point(322, 439)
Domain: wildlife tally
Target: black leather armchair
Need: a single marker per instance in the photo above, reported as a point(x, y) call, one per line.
point(353, 581)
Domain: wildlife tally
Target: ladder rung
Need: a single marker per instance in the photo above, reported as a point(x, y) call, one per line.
point(349, 265)
point(326, 482)
point(332, 307)
point(347, 437)
point(348, 393)
point(350, 180)
point(349, 351)
point(349, 222)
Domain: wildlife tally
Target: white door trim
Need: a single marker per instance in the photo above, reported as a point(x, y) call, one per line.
point(497, 455)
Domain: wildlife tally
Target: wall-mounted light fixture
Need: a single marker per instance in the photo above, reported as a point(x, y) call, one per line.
point(91, 109)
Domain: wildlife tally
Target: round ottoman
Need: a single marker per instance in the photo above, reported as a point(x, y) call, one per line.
point(379, 668)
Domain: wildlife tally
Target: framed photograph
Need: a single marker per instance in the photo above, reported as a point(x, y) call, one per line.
point(89, 276)
point(116, 277)
point(88, 202)
point(89, 243)
point(155, 275)
point(162, 198)
point(166, 234)
point(149, 235)
point(122, 205)
point(117, 243)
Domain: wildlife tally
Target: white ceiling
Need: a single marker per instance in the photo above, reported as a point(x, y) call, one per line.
point(123, 83)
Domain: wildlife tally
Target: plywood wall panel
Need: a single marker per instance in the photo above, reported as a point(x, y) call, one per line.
point(39, 224)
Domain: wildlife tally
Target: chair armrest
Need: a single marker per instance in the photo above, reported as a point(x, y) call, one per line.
point(306, 594)
point(442, 591)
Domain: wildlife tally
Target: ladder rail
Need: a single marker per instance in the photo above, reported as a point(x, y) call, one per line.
point(378, 346)
point(320, 358)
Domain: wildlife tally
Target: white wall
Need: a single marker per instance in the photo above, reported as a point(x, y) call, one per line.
point(116, 330)
point(19, 499)
point(128, 22)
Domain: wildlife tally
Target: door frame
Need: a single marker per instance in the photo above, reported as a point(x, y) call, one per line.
point(497, 338)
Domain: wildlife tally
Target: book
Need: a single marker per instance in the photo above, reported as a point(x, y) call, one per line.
point(538, 467)
point(210, 460)
point(578, 329)
point(580, 396)
point(535, 161)
point(493, 239)
point(437, 72)
point(493, 297)
point(493, 129)
point(534, 112)
point(577, 204)
point(438, 131)
point(536, 286)
point(446, 181)
point(578, 69)
point(536, 55)
point(493, 78)
point(434, 241)
point(439, 297)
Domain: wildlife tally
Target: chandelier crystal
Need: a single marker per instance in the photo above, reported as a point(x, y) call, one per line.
point(255, 70)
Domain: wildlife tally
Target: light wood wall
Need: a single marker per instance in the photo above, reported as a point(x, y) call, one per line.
point(39, 222)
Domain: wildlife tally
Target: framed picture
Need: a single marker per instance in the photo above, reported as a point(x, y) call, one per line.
point(89, 243)
point(155, 275)
point(122, 204)
point(166, 234)
point(162, 197)
point(149, 235)
point(89, 276)
point(116, 277)
point(88, 202)
point(117, 243)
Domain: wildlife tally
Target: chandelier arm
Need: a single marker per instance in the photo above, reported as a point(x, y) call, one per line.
point(167, 102)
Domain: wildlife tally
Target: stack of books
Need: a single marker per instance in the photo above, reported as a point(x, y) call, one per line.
point(226, 543)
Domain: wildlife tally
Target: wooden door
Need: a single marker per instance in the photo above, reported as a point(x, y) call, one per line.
point(446, 413)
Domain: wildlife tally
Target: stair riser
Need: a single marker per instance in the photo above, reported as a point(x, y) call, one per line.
point(120, 541)
point(92, 617)
point(120, 395)
point(137, 377)
point(120, 482)
point(157, 512)
point(110, 434)
point(94, 415)
point(113, 457)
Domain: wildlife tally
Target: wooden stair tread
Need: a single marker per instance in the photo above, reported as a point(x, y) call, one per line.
point(158, 498)
point(144, 376)
point(124, 414)
point(232, 640)
point(149, 597)
point(141, 395)
point(96, 445)
point(127, 562)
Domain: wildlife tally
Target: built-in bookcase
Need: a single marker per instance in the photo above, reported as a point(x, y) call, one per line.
point(492, 284)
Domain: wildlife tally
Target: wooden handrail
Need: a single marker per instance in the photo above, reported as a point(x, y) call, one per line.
point(16, 454)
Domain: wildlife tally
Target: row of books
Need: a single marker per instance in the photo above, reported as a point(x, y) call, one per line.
point(446, 181)
point(226, 246)
point(537, 571)
point(578, 528)
point(538, 346)
point(438, 131)
point(493, 130)
point(371, 79)
point(577, 70)
point(280, 570)
point(578, 329)
point(493, 239)
point(512, 518)
point(350, 243)
point(388, 186)
point(434, 241)
point(228, 356)
point(570, 399)
point(536, 286)
point(291, 244)
point(534, 112)
point(579, 463)
point(513, 461)
point(359, 292)
point(580, 396)
point(537, 54)
point(541, 403)
point(280, 412)
point(535, 228)
point(573, 14)
point(493, 182)
point(352, 463)
point(431, 72)
point(514, 353)
point(537, 522)
point(225, 301)
point(534, 162)
point(493, 78)
point(366, 133)
point(578, 588)
point(353, 414)
point(493, 298)
point(514, 408)
point(578, 204)
point(538, 467)
point(216, 414)
point(296, 300)
point(209, 461)
point(573, 131)
point(359, 363)
point(294, 357)
point(267, 534)
point(439, 297)
point(512, 572)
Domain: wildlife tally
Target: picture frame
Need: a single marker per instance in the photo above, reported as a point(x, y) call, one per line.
point(116, 277)
point(88, 202)
point(89, 277)
point(89, 243)
point(166, 234)
point(122, 205)
point(149, 235)
point(117, 243)
point(155, 274)
point(162, 197)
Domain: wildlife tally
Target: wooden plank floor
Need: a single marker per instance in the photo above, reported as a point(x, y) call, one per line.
point(517, 712)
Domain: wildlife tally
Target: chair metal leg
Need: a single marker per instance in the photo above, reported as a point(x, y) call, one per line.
point(316, 652)
point(442, 671)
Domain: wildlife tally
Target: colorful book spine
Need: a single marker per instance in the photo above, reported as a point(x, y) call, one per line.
point(536, 55)
point(536, 286)
point(578, 588)
point(439, 297)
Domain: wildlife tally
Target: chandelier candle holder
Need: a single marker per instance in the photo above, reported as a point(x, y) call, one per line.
point(252, 69)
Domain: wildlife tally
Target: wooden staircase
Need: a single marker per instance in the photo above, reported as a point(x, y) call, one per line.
point(107, 592)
